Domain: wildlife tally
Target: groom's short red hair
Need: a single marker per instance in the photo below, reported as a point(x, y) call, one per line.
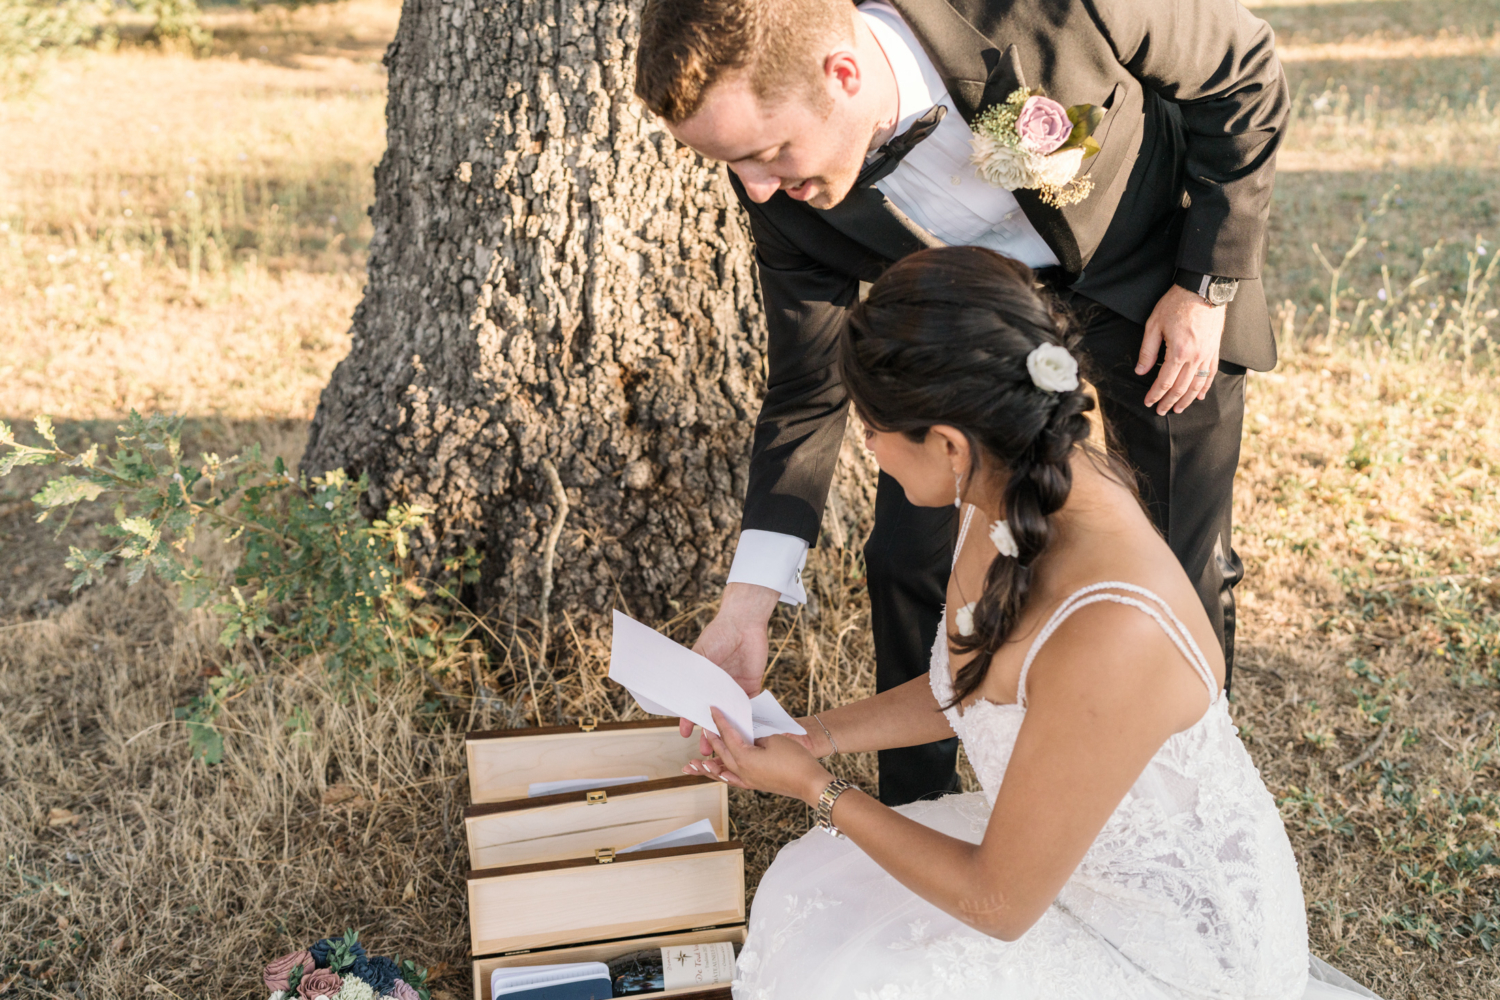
point(687, 46)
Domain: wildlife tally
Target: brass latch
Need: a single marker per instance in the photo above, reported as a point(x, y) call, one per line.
point(597, 798)
point(588, 723)
point(604, 855)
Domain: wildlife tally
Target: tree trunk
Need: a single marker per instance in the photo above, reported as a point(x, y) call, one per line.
point(552, 280)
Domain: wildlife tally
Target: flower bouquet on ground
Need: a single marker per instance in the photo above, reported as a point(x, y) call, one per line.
point(339, 969)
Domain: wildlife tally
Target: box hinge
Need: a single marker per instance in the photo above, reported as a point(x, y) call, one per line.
point(604, 855)
point(518, 951)
point(598, 797)
point(588, 723)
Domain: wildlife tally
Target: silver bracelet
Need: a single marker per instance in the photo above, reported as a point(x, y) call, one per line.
point(829, 735)
point(824, 811)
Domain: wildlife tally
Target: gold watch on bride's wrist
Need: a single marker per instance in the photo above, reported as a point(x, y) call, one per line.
point(823, 811)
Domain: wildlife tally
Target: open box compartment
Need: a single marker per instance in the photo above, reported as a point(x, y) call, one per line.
point(603, 951)
point(576, 824)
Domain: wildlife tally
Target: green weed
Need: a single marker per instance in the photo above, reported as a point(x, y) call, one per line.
point(314, 574)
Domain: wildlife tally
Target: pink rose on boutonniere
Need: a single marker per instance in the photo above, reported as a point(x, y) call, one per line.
point(277, 975)
point(319, 983)
point(1031, 142)
point(1043, 125)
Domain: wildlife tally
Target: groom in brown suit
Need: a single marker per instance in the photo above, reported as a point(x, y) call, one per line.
point(846, 131)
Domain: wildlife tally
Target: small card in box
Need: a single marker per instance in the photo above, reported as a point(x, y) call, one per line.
point(548, 886)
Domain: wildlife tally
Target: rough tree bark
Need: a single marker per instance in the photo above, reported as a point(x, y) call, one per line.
point(552, 279)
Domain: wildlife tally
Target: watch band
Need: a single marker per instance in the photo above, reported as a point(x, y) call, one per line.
point(824, 810)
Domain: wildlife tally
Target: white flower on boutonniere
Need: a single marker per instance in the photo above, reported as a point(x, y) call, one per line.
point(1031, 142)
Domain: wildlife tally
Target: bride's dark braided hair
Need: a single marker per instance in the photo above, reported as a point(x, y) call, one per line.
point(943, 338)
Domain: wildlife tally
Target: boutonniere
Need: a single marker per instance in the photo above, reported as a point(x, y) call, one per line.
point(1032, 142)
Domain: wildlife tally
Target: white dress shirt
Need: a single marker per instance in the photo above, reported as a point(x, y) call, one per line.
point(938, 188)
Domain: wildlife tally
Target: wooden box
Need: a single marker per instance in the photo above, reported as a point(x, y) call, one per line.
point(548, 885)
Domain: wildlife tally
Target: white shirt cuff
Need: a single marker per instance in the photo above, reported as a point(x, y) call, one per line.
point(771, 559)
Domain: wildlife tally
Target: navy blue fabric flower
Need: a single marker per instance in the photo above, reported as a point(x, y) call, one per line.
point(380, 972)
point(322, 948)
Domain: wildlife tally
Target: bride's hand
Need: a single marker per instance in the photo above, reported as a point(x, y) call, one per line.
point(777, 764)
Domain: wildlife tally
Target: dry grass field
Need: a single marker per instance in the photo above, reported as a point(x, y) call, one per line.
point(186, 235)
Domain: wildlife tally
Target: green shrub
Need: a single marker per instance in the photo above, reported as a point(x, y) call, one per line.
point(315, 576)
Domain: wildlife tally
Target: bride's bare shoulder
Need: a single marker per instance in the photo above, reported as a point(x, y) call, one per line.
point(1114, 658)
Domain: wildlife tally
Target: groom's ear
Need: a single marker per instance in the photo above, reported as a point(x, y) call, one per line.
point(841, 72)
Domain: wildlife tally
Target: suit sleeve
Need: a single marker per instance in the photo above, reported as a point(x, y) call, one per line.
point(801, 423)
point(1217, 62)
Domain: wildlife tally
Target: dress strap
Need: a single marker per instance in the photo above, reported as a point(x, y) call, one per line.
point(1097, 592)
point(963, 533)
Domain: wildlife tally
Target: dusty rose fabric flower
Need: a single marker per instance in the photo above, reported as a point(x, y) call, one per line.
point(1043, 125)
point(319, 983)
point(277, 974)
point(402, 990)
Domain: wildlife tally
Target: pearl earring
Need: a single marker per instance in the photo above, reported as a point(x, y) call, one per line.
point(957, 494)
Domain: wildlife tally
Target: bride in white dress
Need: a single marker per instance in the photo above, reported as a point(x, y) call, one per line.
point(1124, 845)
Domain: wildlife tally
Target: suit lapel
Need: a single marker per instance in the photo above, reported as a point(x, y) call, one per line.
point(979, 74)
point(975, 70)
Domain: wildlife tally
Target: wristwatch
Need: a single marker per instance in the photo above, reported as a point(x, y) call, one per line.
point(1216, 291)
point(824, 810)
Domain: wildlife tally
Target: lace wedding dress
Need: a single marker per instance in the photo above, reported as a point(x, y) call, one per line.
point(1190, 890)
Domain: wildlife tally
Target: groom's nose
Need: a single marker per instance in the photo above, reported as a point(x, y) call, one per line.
point(759, 184)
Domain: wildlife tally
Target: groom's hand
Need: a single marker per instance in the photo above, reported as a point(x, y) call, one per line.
point(736, 638)
point(1191, 329)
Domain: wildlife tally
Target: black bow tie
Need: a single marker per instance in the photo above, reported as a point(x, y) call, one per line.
point(888, 156)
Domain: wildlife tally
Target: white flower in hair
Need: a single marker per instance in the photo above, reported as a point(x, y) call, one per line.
point(1005, 542)
point(964, 619)
point(1053, 368)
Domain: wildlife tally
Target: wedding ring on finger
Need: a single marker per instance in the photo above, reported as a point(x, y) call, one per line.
point(1204, 373)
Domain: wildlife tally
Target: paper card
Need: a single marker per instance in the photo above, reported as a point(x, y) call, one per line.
point(701, 832)
point(667, 678)
point(769, 718)
point(579, 785)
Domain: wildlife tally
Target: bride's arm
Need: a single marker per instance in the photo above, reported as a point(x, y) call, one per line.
point(904, 716)
point(1093, 721)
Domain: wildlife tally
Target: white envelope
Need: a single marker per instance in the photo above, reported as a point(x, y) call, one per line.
point(701, 832)
point(537, 788)
point(667, 678)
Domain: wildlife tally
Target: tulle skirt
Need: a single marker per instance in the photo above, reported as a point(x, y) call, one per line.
point(829, 923)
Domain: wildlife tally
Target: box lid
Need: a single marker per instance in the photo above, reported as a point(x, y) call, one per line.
point(581, 900)
point(503, 762)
